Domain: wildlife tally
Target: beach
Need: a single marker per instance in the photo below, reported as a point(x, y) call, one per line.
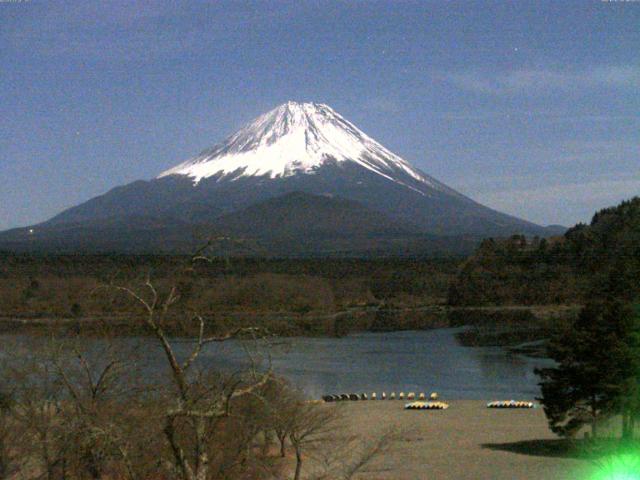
point(467, 440)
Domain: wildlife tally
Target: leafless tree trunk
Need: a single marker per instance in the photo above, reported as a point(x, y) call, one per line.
point(188, 405)
point(298, 449)
point(282, 437)
point(310, 424)
point(7, 436)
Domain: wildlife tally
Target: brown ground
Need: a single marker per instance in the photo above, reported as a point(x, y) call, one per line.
point(467, 441)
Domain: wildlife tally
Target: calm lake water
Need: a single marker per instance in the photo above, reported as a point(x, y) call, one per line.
point(419, 361)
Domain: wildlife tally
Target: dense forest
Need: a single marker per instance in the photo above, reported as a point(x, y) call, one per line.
point(597, 356)
point(337, 295)
point(559, 270)
point(292, 296)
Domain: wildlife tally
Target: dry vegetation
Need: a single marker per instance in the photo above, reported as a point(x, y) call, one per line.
point(287, 296)
point(67, 412)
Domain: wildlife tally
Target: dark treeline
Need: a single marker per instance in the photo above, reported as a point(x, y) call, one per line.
point(518, 271)
point(291, 296)
point(106, 264)
point(561, 270)
point(597, 374)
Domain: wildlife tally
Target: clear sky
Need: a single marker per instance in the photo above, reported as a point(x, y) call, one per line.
point(530, 107)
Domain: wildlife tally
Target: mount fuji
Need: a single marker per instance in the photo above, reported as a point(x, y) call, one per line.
point(299, 139)
point(298, 180)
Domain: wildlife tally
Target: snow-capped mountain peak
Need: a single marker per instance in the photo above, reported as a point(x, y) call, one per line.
point(298, 138)
point(298, 180)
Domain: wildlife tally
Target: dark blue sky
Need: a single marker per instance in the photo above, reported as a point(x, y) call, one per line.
point(532, 108)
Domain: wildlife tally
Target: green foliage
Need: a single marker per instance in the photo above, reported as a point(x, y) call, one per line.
point(598, 362)
point(598, 371)
point(603, 257)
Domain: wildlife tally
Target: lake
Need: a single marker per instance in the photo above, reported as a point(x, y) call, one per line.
point(418, 361)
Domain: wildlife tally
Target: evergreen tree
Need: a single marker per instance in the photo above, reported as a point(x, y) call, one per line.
point(627, 371)
point(598, 363)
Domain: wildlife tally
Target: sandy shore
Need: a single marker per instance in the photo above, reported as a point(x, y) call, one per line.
point(467, 441)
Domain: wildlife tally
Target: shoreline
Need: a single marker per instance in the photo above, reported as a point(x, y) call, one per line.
point(394, 317)
point(523, 330)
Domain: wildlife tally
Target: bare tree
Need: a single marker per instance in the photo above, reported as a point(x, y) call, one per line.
point(86, 410)
point(100, 388)
point(317, 436)
point(310, 425)
point(72, 410)
point(36, 416)
point(282, 404)
point(7, 435)
point(193, 413)
point(344, 458)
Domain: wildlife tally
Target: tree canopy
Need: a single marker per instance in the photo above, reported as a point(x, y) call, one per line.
point(598, 361)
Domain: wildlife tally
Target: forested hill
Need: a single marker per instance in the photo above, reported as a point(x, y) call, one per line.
point(604, 255)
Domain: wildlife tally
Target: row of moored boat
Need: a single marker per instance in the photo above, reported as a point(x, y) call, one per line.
point(510, 404)
point(374, 396)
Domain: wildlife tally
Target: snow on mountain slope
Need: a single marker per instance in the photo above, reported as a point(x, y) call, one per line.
point(299, 179)
point(299, 138)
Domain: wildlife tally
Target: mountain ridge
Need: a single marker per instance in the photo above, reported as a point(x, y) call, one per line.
point(309, 225)
point(296, 147)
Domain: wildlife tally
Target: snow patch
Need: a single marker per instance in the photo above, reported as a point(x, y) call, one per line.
point(297, 138)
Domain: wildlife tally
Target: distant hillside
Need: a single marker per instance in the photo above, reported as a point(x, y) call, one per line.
point(299, 214)
point(561, 269)
point(291, 225)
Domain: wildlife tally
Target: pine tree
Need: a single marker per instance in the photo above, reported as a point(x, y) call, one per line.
point(627, 373)
point(598, 363)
